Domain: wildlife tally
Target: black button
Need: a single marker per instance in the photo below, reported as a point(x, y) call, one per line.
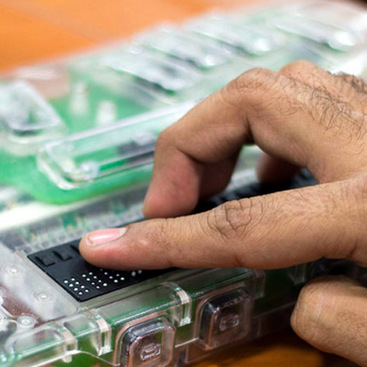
point(63, 254)
point(75, 247)
point(45, 260)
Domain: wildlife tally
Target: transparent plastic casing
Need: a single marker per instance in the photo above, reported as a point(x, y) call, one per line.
point(119, 151)
point(80, 133)
point(26, 119)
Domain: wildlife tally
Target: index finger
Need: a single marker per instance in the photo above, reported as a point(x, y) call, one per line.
point(271, 231)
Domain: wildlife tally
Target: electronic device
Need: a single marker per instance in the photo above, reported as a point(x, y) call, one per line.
point(77, 141)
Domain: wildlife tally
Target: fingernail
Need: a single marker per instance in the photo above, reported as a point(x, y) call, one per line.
point(104, 236)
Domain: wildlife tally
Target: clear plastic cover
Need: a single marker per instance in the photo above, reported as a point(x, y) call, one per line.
point(248, 38)
point(325, 25)
point(26, 119)
point(120, 150)
point(152, 69)
point(185, 46)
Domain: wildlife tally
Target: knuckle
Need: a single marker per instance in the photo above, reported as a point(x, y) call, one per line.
point(165, 138)
point(298, 69)
point(222, 220)
point(257, 80)
point(233, 219)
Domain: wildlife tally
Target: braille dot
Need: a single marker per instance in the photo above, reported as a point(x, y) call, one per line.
point(95, 277)
point(87, 291)
point(133, 273)
point(84, 275)
point(140, 271)
point(90, 273)
point(115, 281)
point(110, 277)
point(105, 273)
point(99, 281)
point(66, 281)
point(122, 278)
point(93, 283)
point(98, 287)
point(117, 274)
point(82, 287)
point(88, 279)
point(76, 289)
point(80, 293)
point(73, 279)
point(105, 284)
point(77, 283)
point(71, 285)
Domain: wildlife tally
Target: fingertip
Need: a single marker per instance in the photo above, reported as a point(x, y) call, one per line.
point(173, 192)
point(157, 203)
point(166, 204)
point(102, 247)
point(88, 252)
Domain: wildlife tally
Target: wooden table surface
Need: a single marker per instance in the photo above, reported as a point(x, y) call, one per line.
point(37, 30)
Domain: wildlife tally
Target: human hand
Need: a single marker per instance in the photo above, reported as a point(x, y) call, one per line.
point(301, 116)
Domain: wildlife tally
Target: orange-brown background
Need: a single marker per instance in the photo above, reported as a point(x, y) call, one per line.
point(38, 30)
point(32, 30)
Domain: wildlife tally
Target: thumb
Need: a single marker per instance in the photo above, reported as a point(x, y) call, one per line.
point(330, 315)
point(270, 231)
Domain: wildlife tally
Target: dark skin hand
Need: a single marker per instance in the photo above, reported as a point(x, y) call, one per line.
point(301, 116)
